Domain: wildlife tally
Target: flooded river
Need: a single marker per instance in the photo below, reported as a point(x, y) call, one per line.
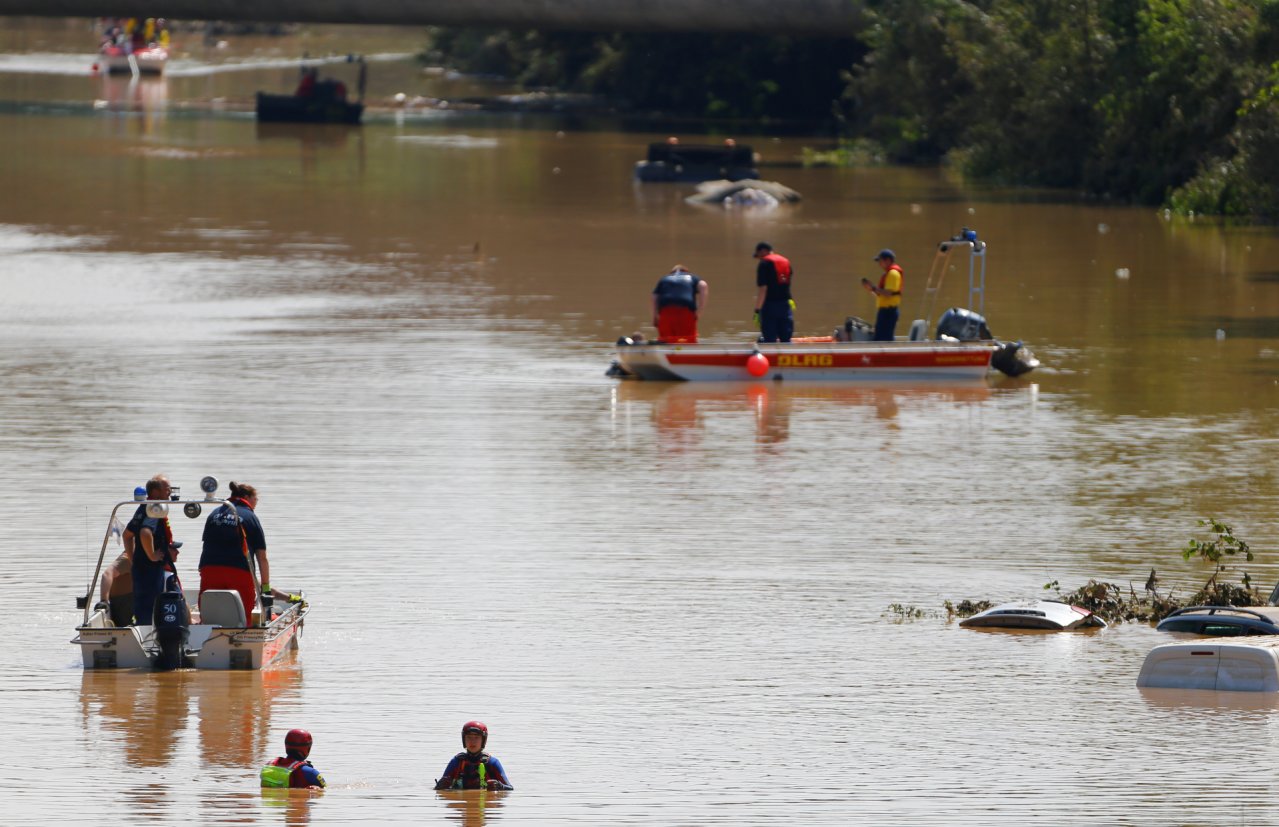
point(669, 603)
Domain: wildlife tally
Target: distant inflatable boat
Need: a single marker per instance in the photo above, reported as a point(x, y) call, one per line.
point(294, 109)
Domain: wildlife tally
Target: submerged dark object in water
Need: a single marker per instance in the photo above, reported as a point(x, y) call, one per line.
point(294, 109)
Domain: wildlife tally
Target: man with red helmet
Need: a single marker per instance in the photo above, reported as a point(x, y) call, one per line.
point(293, 770)
point(474, 769)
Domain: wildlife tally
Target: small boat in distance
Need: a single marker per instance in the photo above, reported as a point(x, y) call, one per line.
point(1046, 615)
point(314, 101)
point(215, 635)
point(963, 349)
point(674, 161)
point(134, 47)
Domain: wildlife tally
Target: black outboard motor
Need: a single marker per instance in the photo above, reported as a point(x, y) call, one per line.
point(964, 325)
point(172, 630)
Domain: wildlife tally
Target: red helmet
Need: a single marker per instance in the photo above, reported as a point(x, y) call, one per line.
point(475, 726)
point(299, 741)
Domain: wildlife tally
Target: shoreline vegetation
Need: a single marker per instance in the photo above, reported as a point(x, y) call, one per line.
point(1171, 103)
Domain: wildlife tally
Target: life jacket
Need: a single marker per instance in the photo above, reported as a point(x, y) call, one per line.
point(678, 289)
point(280, 772)
point(892, 301)
point(781, 265)
point(471, 774)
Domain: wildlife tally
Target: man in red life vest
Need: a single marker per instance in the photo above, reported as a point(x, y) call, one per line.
point(888, 296)
point(678, 299)
point(773, 304)
point(293, 770)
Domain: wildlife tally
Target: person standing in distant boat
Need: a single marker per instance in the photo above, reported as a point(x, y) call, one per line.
point(149, 543)
point(232, 533)
point(678, 300)
point(473, 768)
point(888, 296)
point(774, 307)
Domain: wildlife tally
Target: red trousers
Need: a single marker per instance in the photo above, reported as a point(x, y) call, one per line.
point(677, 325)
point(226, 577)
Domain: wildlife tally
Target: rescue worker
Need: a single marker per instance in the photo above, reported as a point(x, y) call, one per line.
point(231, 534)
point(474, 769)
point(116, 590)
point(150, 545)
point(888, 296)
point(678, 300)
point(293, 770)
point(773, 304)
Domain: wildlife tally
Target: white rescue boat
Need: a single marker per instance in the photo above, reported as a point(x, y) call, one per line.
point(215, 634)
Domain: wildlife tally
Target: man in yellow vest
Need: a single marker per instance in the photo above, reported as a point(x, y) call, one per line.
point(888, 296)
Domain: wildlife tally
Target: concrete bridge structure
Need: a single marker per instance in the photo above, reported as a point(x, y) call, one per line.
point(811, 18)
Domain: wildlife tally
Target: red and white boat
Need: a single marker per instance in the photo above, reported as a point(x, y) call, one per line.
point(963, 348)
point(117, 60)
point(830, 361)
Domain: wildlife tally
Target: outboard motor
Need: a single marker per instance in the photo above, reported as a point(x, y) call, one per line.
point(964, 325)
point(172, 630)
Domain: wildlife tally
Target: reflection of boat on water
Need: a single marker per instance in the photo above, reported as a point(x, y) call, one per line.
point(963, 349)
point(677, 407)
point(148, 712)
point(218, 634)
point(334, 134)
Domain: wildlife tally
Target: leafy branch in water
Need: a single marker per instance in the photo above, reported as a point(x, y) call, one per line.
point(1114, 603)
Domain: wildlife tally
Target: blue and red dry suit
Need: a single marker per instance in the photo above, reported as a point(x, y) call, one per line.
point(474, 771)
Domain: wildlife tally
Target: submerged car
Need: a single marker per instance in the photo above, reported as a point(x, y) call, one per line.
point(1223, 621)
point(1049, 615)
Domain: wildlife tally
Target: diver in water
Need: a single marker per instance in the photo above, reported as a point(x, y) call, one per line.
point(474, 769)
point(293, 770)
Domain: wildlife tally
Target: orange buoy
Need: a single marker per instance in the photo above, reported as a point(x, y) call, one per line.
point(757, 364)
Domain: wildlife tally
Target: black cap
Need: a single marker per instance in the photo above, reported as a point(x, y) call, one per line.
point(763, 245)
point(177, 544)
point(885, 254)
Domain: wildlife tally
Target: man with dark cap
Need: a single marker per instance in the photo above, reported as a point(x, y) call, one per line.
point(888, 296)
point(773, 303)
point(678, 300)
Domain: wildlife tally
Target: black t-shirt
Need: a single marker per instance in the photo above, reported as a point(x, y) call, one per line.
point(223, 543)
point(145, 569)
point(774, 272)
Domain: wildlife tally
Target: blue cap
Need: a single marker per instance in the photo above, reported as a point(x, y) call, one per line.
point(140, 493)
point(885, 253)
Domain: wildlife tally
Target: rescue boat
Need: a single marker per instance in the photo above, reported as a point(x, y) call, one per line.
point(214, 634)
point(116, 60)
point(962, 348)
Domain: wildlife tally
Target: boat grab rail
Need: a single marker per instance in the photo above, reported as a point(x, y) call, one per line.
point(106, 538)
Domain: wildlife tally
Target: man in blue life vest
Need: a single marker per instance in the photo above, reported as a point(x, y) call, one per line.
point(293, 770)
point(474, 769)
point(773, 304)
point(888, 296)
point(678, 300)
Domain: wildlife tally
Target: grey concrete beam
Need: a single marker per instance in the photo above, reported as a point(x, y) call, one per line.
point(815, 18)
